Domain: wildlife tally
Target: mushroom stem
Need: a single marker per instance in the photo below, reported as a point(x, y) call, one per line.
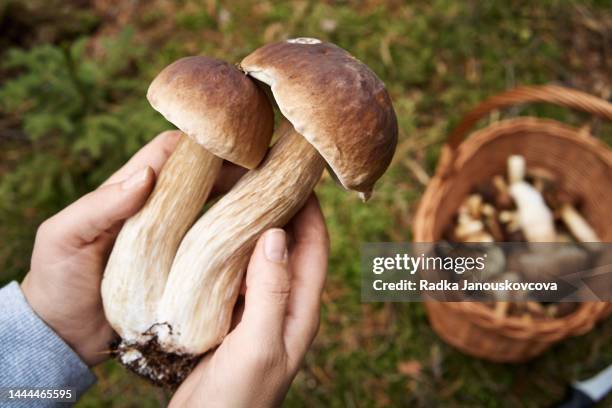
point(535, 218)
point(138, 266)
point(516, 168)
point(207, 272)
point(577, 225)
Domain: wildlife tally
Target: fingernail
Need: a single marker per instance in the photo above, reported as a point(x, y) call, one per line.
point(135, 179)
point(275, 245)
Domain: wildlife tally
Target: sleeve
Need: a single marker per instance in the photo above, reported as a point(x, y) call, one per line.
point(32, 355)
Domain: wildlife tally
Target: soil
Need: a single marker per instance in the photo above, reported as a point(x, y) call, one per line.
point(162, 368)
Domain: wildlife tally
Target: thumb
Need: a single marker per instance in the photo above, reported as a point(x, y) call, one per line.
point(268, 285)
point(99, 211)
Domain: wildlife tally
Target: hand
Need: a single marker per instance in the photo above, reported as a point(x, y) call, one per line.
point(275, 324)
point(72, 247)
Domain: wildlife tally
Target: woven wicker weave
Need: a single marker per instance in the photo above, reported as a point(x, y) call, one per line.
point(584, 166)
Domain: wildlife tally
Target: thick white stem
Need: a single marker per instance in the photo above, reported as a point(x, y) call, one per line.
point(207, 272)
point(577, 225)
point(516, 168)
point(535, 218)
point(138, 266)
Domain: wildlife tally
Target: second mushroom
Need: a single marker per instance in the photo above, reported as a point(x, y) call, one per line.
point(336, 113)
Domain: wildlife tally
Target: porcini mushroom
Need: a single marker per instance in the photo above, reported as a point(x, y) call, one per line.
point(224, 115)
point(338, 113)
point(502, 199)
point(535, 218)
point(516, 168)
point(577, 225)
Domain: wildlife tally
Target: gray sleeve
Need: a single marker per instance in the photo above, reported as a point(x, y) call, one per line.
point(33, 355)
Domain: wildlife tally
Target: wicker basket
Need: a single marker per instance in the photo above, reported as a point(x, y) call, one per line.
point(584, 165)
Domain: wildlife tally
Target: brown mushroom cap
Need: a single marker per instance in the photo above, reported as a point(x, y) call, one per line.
point(335, 101)
point(217, 105)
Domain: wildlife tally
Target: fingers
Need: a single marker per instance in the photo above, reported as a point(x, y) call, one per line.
point(116, 199)
point(308, 262)
point(268, 286)
point(154, 154)
point(308, 225)
point(99, 211)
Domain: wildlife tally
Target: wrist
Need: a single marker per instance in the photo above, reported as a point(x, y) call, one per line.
point(45, 305)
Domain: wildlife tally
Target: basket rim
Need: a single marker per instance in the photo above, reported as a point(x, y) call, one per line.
point(549, 93)
point(552, 127)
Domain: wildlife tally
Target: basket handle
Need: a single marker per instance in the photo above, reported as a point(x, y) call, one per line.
point(557, 95)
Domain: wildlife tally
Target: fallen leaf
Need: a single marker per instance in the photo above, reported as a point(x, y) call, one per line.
point(409, 368)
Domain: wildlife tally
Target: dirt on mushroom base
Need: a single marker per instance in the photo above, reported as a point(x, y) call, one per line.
point(151, 361)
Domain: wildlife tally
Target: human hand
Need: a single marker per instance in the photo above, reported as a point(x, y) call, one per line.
point(72, 247)
point(275, 324)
